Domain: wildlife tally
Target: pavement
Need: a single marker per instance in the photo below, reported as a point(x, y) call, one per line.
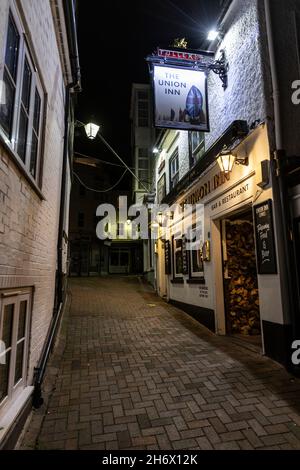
point(132, 372)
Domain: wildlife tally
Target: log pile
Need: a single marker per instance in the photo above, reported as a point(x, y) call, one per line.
point(241, 289)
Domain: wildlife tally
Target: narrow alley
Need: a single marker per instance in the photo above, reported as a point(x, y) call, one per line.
point(132, 372)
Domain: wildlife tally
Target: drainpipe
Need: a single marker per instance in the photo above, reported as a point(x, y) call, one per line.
point(75, 85)
point(281, 164)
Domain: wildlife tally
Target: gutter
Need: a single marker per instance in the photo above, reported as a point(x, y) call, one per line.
point(75, 86)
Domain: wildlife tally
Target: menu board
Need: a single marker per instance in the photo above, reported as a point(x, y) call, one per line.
point(167, 257)
point(265, 242)
point(185, 268)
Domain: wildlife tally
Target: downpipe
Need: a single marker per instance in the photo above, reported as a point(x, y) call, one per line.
point(282, 204)
point(75, 85)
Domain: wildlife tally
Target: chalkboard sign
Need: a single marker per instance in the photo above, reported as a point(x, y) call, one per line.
point(167, 257)
point(185, 268)
point(264, 234)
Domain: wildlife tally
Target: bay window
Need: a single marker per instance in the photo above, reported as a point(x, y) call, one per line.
point(21, 101)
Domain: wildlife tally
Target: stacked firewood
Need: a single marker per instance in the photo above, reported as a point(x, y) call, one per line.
point(241, 290)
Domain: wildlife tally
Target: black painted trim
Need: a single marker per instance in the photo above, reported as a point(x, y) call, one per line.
point(205, 316)
point(196, 280)
point(277, 342)
point(177, 281)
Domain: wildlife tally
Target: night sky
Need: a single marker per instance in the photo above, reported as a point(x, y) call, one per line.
point(114, 38)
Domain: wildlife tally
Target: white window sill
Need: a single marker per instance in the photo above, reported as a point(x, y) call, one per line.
point(5, 142)
point(10, 415)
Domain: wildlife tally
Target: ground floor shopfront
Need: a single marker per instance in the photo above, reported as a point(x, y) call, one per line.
point(233, 284)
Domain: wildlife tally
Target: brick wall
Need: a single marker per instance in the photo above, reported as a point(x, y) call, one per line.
point(28, 224)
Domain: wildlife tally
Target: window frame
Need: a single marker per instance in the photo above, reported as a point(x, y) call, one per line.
point(194, 151)
point(175, 176)
point(177, 277)
point(140, 169)
point(161, 189)
point(12, 139)
point(9, 297)
point(139, 118)
point(196, 277)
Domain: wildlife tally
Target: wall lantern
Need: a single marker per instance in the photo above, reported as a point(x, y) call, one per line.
point(91, 130)
point(156, 150)
point(226, 160)
point(160, 218)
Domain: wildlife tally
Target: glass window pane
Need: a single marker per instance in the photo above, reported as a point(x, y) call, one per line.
point(12, 48)
point(4, 375)
point(124, 258)
point(22, 319)
point(143, 153)
point(37, 110)
point(143, 175)
point(7, 103)
point(26, 86)
point(178, 262)
point(19, 362)
point(114, 258)
point(33, 154)
point(22, 136)
point(143, 164)
point(142, 95)
point(8, 319)
point(197, 264)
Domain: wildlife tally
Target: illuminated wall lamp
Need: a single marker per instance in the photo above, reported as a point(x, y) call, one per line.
point(91, 130)
point(226, 161)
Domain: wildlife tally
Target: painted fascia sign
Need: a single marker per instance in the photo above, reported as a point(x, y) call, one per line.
point(180, 98)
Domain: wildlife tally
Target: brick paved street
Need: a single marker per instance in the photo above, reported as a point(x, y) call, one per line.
point(136, 373)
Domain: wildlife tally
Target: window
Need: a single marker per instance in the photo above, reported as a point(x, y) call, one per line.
point(21, 103)
point(14, 336)
point(197, 146)
point(177, 258)
point(196, 268)
point(121, 232)
point(143, 108)
point(174, 169)
point(143, 167)
point(161, 188)
point(81, 219)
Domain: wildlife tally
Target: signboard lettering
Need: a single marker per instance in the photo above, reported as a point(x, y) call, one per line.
point(180, 98)
point(265, 243)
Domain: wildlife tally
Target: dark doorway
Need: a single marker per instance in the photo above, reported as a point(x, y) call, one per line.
point(240, 278)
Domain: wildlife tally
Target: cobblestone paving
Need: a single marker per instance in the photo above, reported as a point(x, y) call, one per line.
point(137, 373)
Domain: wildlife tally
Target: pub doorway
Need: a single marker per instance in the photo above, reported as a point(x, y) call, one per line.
point(241, 295)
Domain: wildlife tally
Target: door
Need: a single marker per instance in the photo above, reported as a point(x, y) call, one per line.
point(119, 261)
point(241, 296)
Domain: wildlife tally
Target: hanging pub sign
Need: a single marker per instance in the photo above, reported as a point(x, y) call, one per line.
point(180, 98)
point(265, 243)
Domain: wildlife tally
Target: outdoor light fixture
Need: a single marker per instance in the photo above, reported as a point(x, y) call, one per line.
point(155, 150)
point(154, 224)
point(212, 35)
point(160, 218)
point(226, 160)
point(91, 130)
